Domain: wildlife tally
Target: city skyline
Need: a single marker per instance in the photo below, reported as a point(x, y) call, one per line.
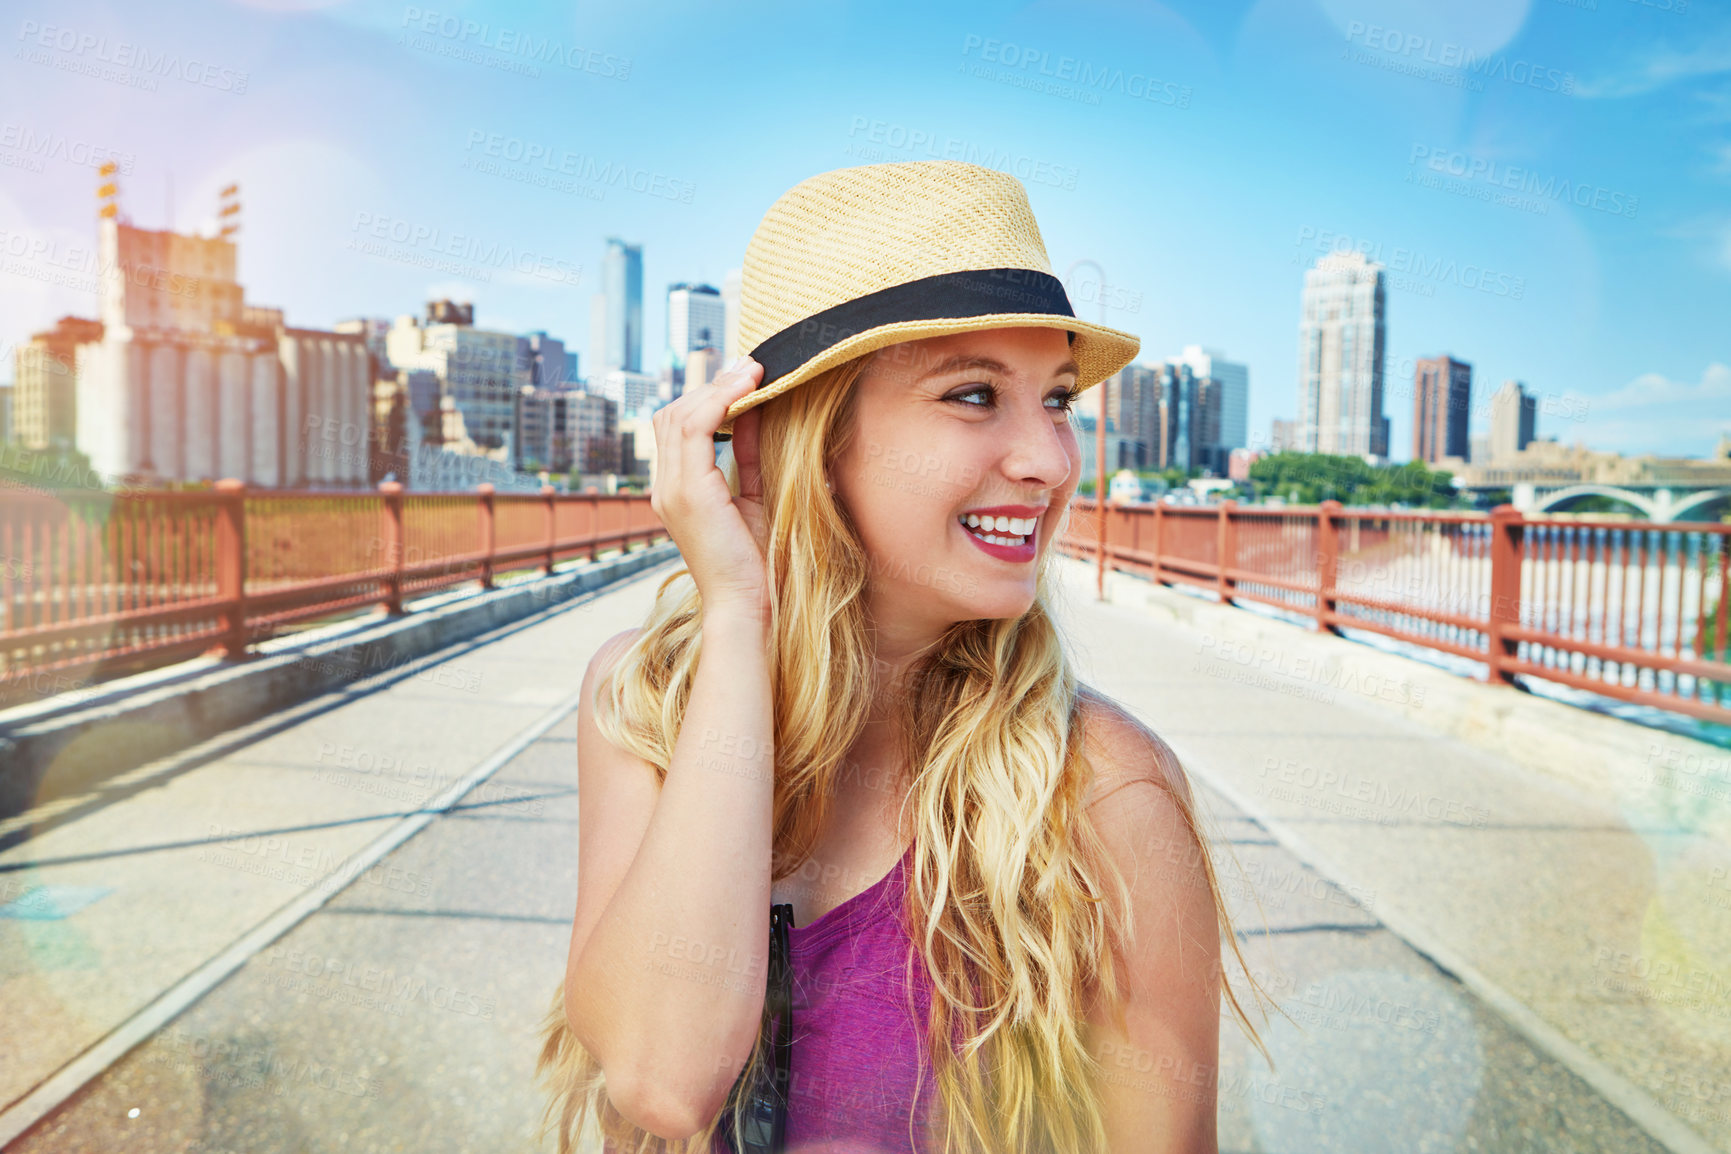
point(1570, 239)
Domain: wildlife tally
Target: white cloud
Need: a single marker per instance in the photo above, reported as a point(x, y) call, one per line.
point(1660, 68)
point(1655, 414)
point(1657, 389)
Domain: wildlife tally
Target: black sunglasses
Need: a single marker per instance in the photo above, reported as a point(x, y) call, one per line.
point(763, 1110)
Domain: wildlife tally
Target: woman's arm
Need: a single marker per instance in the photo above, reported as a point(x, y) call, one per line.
point(1160, 1062)
point(665, 982)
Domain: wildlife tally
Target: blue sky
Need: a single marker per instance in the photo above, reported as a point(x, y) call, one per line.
point(1547, 181)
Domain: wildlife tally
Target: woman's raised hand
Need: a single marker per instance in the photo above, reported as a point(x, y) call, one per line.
point(719, 535)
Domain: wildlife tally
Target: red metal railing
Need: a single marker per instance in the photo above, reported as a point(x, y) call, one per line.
point(1628, 609)
point(93, 584)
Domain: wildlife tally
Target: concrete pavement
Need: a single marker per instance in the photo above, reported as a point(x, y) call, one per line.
point(113, 909)
point(1591, 915)
point(400, 1015)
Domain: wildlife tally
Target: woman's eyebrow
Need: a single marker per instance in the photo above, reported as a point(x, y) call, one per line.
point(962, 361)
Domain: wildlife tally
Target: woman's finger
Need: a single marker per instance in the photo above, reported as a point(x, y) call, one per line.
point(702, 410)
point(745, 455)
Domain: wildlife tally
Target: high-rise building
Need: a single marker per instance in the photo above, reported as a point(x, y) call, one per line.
point(632, 392)
point(696, 319)
point(1282, 436)
point(1341, 340)
point(622, 288)
point(1513, 419)
point(1206, 451)
point(479, 370)
point(730, 286)
point(1119, 449)
point(566, 428)
point(1234, 393)
point(1178, 417)
point(45, 384)
point(1135, 413)
point(548, 362)
point(1442, 390)
point(594, 424)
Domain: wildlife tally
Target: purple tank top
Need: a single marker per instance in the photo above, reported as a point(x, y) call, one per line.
point(856, 1050)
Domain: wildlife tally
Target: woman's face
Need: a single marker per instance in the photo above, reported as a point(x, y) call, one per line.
point(948, 432)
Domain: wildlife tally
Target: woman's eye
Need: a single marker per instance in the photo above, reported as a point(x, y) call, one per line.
point(1062, 402)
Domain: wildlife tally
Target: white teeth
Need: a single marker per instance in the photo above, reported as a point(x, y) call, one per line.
point(1001, 530)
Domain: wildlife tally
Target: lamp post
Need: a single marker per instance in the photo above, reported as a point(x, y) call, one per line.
point(1099, 446)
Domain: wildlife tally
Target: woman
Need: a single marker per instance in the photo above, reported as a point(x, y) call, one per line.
point(854, 702)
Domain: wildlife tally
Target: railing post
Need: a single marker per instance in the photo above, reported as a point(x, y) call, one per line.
point(594, 528)
point(1226, 551)
point(1133, 518)
point(548, 519)
point(1327, 564)
point(1507, 531)
point(625, 541)
point(391, 495)
point(1159, 535)
point(487, 534)
point(1100, 543)
point(231, 565)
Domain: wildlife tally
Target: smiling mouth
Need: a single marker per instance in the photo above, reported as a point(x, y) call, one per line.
point(1010, 531)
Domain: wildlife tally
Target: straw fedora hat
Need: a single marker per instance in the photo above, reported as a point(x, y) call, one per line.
point(854, 260)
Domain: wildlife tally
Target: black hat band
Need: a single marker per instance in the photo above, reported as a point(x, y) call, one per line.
point(946, 296)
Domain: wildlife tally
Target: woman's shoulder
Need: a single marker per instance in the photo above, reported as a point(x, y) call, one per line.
point(1122, 750)
point(608, 654)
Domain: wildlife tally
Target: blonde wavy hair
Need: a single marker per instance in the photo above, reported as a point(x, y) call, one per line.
point(1012, 901)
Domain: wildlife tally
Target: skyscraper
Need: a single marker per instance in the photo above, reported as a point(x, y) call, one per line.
point(1234, 391)
point(1513, 414)
point(622, 287)
point(696, 319)
point(1136, 414)
point(1177, 399)
point(1341, 340)
point(1442, 390)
